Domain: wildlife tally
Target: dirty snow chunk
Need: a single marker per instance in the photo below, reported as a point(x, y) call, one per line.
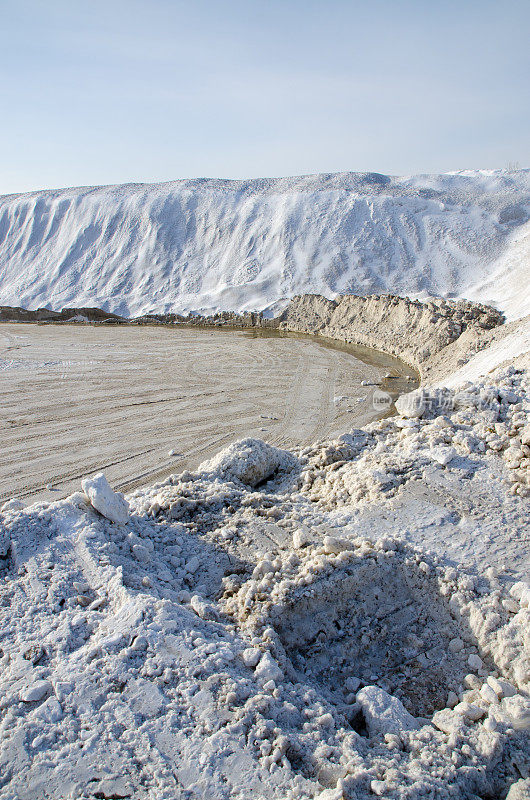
point(488, 694)
point(35, 692)
point(141, 552)
point(251, 656)
point(474, 661)
point(334, 545)
point(470, 711)
point(301, 538)
point(517, 589)
point(447, 721)
point(111, 505)
point(520, 790)
point(5, 543)
point(268, 669)
point(443, 455)
point(352, 683)
point(501, 687)
point(516, 710)
point(405, 423)
point(383, 712)
point(525, 435)
point(203, 609)
point(411, 404)
point(192, 565)
point(12, 505)
point(248, 461)
point(49, 711)
point(144, 697)
point(520, 591)
point(333, 794)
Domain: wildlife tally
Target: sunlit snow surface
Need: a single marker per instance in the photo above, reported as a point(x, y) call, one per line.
point(247, 245)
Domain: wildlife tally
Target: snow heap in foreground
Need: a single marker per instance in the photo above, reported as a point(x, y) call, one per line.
point(232, 635)
point(210, 245)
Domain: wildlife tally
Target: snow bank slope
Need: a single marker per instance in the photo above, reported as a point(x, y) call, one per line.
point(216, 244)
point(237, 641)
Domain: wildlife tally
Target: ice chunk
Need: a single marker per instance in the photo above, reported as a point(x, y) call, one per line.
point(384, 713)
point(110, 504)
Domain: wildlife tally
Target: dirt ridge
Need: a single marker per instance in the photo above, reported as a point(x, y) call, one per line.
point(435, 337)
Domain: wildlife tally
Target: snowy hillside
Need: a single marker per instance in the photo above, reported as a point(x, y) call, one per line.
point(217, 244)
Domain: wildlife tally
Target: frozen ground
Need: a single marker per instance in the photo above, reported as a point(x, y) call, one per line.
point(249, 245)
point(345, 621)
point(142, 402)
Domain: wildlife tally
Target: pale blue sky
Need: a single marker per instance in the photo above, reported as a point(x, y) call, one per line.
point(112, 91)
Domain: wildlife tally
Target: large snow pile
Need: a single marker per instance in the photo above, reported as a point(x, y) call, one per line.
point(215, 244)
point(233, 635)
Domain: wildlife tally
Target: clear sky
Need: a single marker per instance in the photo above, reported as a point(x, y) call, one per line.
point(112, 91)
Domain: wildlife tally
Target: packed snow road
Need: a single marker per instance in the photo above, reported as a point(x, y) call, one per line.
point(142, 402)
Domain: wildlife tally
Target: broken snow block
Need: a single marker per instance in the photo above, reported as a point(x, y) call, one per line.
point(411, 405)
point(520, 790)
point(249, 461)
point(384, 713)
point(110, 504)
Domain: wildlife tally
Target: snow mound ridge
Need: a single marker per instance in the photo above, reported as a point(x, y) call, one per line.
point(246, 245)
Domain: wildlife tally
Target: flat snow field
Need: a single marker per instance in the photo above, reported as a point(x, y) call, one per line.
point(78, 399)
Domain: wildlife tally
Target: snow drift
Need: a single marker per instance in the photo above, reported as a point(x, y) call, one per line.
point(246, 245)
